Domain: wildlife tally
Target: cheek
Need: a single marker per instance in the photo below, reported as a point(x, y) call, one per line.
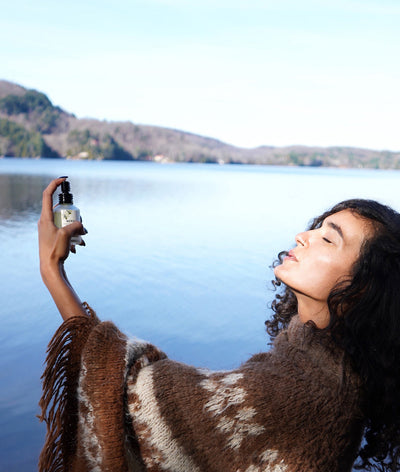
point(326, 275)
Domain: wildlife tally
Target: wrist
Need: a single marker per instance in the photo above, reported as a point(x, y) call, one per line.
point(51, 272)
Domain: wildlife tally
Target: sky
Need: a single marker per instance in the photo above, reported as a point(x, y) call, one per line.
point(246, 72)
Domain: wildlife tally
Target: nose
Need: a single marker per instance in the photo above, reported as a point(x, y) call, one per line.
point(301, 239)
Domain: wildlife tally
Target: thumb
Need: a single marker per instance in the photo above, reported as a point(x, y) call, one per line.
point(74, 229)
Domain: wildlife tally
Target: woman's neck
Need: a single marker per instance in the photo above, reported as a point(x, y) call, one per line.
point(310, 309)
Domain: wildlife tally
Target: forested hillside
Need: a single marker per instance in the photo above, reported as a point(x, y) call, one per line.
point(31, 126)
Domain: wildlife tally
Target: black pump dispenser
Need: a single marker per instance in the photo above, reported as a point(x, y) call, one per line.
point(65, 196)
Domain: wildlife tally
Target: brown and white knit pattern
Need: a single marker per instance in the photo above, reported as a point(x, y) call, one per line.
point(224, 392)
point(293, 409)
point(155, 435)
point(90, 442)
point(165, 452)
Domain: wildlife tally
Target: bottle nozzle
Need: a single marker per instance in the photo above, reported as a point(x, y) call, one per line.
point(65, 196)
point(65, 186)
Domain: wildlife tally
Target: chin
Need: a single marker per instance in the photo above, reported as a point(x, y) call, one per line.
point(279, 273)
point(277, 270)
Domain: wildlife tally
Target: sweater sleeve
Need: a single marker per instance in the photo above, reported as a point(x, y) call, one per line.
point(84, 392)
point(198, 420)
point(284, 410)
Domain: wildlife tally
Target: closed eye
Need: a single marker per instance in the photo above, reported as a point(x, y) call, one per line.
point(327, 240)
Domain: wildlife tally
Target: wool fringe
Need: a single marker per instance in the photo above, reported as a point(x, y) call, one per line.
point(59, 403)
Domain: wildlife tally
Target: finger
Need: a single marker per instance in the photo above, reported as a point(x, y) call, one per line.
point(47, 200)
point(74, 229)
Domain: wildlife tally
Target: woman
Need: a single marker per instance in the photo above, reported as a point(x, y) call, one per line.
point(332, 374)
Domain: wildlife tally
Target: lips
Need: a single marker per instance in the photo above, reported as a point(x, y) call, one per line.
point(291, 257)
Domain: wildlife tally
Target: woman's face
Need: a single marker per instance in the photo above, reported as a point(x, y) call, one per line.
point(322, 258)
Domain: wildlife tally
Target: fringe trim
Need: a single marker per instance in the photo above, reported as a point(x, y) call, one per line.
point(59, 403)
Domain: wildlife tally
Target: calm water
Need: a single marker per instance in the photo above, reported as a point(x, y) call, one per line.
point(176, 254)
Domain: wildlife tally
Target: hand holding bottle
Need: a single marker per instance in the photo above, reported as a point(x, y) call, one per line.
point(55, 243)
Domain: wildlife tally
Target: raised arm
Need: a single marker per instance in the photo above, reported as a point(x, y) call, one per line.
point(54, 248)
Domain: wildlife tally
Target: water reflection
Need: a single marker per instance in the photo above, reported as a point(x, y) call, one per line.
point(20, 195)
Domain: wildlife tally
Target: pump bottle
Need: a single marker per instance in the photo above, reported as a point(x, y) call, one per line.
point(65, 212)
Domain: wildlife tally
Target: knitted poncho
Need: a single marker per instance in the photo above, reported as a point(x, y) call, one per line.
point(113, 404)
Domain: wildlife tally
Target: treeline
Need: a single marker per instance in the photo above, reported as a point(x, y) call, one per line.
point(17, 141)
point(31, 126)
point(91, 145)
point(36, 107)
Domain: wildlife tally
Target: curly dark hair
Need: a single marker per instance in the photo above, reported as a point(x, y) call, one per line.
point(365, 322)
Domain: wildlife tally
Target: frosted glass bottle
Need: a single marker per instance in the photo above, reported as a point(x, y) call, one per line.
point(65, 212)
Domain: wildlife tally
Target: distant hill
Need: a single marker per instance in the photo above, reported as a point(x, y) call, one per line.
point(31, 126)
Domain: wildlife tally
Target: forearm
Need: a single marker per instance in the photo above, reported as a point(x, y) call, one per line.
point(62, 292)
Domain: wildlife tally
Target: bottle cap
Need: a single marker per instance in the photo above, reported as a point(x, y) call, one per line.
point(65, 196)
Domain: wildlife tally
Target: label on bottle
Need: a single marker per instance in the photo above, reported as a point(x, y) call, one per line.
point(64, 217)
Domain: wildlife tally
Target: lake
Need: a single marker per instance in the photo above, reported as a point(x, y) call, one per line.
point(176, 254)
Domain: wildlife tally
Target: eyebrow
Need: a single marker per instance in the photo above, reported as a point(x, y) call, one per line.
point(336, 228)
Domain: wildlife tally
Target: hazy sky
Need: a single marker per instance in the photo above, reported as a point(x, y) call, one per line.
point(247, 72)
